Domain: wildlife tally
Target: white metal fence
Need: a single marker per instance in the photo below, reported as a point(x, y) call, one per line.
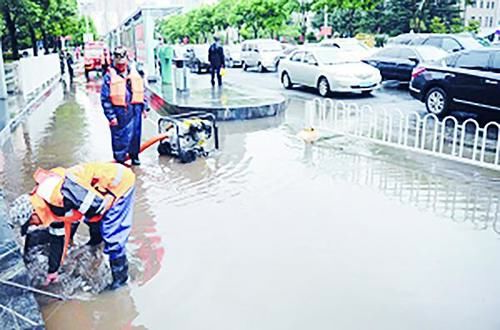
point(11, 77)
point(447, 138)
point(36, 73)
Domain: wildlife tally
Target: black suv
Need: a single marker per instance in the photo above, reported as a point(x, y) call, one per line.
point(470, 78)
point(448, 42)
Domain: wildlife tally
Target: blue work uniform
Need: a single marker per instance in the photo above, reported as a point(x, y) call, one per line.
point(126, 136)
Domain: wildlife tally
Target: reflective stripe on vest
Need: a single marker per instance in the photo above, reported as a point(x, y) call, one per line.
point(118, 88)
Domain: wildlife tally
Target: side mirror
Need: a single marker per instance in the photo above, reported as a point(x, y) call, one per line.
point(456, 50)
point(314, 63)
point(413, 59)
point(256, 50)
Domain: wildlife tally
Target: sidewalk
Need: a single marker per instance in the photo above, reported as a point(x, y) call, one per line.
point(19, 307)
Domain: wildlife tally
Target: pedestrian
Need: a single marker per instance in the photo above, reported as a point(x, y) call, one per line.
point(100, 194)
point(69, 63)
point(61, 63)
point(124, 103)
point(216, 59)
point(105, 61)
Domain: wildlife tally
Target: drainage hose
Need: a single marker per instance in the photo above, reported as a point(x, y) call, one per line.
point(153, 141)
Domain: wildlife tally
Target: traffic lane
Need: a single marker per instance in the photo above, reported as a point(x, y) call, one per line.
point(392, 95)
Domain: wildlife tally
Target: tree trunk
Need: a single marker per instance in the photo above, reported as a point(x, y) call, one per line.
point(33, 40)
point(45, 40)
point(11, 27)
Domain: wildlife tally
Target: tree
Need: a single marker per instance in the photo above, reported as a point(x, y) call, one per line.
point(473, 26)
point(437, 25)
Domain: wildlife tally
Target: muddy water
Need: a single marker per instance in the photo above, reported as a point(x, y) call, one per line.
point(269, 234)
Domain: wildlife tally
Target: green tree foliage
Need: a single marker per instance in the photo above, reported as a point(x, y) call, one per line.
point(392, 17)
point(27, 21)
point(473, 26)
point(437, 25)
point(252, 18)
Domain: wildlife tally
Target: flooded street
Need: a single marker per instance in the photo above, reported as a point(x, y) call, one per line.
point(270, 234)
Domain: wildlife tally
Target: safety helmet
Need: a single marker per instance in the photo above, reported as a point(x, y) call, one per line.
point(20, 211)
point(120, 55)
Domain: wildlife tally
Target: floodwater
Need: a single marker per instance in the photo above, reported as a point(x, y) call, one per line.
point(269, 233)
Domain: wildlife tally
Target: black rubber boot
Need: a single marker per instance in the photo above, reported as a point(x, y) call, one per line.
point(119, 271)
point(135, 160)
point(95, 233)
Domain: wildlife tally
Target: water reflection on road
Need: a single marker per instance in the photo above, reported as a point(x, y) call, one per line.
point(270, 234)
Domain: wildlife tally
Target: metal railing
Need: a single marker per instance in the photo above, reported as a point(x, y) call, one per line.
point(447, 138)
point(11, 78)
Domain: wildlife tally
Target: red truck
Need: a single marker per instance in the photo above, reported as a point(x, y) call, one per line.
point(96, 57)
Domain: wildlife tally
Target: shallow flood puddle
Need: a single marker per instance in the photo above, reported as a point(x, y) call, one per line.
point(269, 234)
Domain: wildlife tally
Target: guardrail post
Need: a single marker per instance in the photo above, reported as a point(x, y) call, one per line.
point(3, 85)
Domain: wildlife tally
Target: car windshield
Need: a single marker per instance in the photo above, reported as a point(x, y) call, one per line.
point(330, 57)
point(93, 52)
point(471, 43)
point(353, 46)
point(431, 53)
point(270, 47)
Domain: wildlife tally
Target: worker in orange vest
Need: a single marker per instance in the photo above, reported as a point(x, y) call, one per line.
point(101, 194)
point(124, 103)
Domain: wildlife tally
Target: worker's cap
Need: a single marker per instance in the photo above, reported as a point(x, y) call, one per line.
point(120, 53)
point(20, 211)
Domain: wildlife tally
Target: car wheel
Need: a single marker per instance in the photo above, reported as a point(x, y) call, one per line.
point(436, 101)
point(261, 68)
point(245, 66)
point(323, 87)
point(286, 81)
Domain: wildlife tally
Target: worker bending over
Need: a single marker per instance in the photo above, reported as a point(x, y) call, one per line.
point(100, 194)
point(124, 104)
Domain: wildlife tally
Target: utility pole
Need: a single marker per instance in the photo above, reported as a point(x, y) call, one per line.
point(325, 22)
point(3, 85)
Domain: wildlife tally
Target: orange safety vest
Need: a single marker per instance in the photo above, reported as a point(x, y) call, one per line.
point(118, 88)
point(110, 181)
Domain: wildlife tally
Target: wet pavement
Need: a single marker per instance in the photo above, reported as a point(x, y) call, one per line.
point(271, 234)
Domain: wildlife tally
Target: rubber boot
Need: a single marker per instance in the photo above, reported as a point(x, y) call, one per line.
point(95, 233)
point(119, 271)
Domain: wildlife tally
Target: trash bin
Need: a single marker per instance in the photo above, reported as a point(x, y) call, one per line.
point(181, 75)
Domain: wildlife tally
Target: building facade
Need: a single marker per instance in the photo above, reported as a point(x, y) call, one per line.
point(486, 12)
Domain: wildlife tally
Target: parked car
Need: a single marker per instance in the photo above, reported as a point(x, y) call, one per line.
point(398, 62)
point(260, 53)
point(232, 55)
point(469, 78)
point(287, 51)
point(353, 45)
point(197, 58)
point(328, 69)
point(448, 42)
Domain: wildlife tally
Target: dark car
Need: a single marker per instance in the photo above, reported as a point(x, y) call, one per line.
point(448, 42)
point(197, 58)
point(398, 62)
point(469, 78)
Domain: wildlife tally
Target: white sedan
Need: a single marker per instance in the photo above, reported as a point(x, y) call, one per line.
point(329, 70)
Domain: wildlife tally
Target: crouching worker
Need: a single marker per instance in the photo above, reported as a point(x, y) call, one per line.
point(100, 194)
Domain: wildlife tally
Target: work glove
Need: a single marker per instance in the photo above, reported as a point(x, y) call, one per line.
point(51, 278)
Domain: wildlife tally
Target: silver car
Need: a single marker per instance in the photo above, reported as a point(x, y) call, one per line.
point(329, 70)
